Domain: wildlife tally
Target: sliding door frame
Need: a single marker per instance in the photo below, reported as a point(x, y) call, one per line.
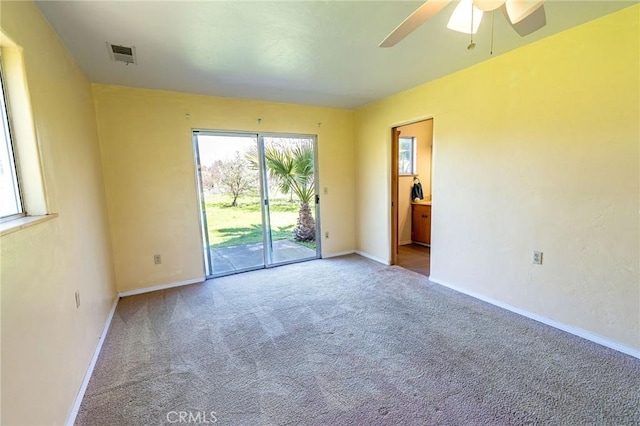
point(204, 228)
point(316, 187)
point(264, 197)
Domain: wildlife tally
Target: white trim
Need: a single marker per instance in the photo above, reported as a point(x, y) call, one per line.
point(87, 376)
point(412, 121)
point(576, 331)
point(160, 287)
point(13, 225)
point(340, 253)
point(421, 243)
point(369, 256)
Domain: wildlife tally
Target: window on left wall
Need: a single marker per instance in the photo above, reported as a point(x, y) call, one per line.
point(10, 195)
point(23, 201)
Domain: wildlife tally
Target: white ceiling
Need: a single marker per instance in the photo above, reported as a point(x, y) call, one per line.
point(306, 52)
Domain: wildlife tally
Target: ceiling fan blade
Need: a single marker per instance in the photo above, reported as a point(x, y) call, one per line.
point(520, 9)
point(417, 18)
point(530, 24)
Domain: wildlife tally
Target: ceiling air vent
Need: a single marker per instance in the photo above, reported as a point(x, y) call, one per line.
point(122, 53)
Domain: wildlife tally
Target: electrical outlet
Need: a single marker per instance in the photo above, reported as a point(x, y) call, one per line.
point(157, 259)
point(537, 258)
point(77, 299)
point(326, 234)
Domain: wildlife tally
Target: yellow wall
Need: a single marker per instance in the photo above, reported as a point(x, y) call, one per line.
point(147, 151)
point(47, 343)
point(424, 150)
point(536, 149)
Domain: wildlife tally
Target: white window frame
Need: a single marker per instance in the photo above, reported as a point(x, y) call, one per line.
point(7, 136)
point(27, 164)
point(413, 156)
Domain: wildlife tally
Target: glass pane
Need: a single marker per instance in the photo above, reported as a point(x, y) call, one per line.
point(231, 190)
point(10, 203)
point(405, 156)
point(290, 175)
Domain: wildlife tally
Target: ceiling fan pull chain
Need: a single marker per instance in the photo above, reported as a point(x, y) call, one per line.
point(493, 17)
point(472, 45)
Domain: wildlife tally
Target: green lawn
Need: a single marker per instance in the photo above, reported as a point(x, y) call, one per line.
point(230, 226)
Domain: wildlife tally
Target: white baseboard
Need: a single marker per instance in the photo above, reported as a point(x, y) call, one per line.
point(340, 253)
point(87, 376)
point(369, 256)
point(576, 331)
point(421, 244)
point(161, 287)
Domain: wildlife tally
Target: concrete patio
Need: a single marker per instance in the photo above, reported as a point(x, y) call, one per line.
point(245, 256)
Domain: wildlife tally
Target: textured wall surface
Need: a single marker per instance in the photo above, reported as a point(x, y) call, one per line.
point(47, 343)
point(536, 149)
point(149, 171)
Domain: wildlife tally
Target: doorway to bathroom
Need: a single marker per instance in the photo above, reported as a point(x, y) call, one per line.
point(411, 207)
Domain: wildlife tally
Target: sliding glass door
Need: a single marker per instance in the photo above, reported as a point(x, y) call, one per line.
point(290, 174)
point(258, 200)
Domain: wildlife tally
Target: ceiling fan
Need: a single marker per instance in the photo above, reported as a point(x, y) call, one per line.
point(525, 16)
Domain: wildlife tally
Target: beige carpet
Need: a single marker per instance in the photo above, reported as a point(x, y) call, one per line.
point(347, 341)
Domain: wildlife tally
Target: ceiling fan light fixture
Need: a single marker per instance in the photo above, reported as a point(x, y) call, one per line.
point(461, 18)
point(488, 5)
point(520, 9)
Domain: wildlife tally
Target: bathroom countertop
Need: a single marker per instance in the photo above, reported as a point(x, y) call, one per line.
point(422, 202)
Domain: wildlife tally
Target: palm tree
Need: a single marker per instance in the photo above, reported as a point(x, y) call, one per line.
point(292, 167)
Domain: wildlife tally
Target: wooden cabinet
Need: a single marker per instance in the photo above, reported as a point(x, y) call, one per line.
point(421, 223)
